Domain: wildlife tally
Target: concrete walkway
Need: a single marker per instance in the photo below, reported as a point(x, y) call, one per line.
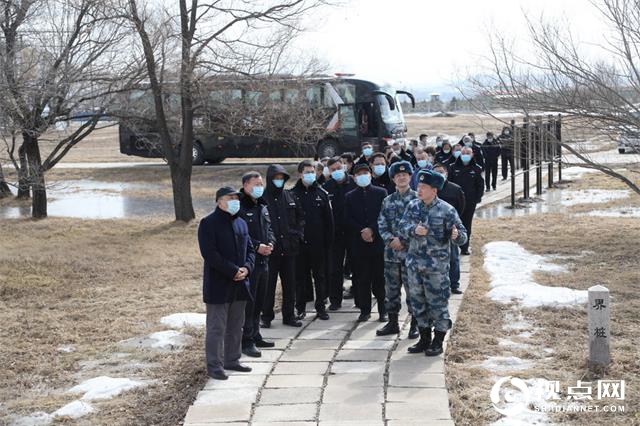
point(333, 372)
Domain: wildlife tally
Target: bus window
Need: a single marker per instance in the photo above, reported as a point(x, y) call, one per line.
point(314, 95)
point(348, 120)
point(291, 95)
point(392, 116)
point(253, 98)
point(276, 95)
point(347, 92)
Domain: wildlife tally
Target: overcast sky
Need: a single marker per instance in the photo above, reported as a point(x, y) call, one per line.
point(429, 43)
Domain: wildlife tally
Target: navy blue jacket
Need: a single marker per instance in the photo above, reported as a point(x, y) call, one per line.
point(362, 208)
point(225, 246)
point(256, 214)
point(469, 178)
point(337, 193)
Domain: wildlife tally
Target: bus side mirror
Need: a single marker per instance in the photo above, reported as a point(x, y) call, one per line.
point(413, 100)
point(392, 102)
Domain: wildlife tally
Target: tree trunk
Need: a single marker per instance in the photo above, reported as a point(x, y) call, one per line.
point(36, 175)
point(23, 174)
point(4, 188)
point(181, 185)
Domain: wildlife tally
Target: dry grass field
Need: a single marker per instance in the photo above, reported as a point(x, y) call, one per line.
point(596, 250)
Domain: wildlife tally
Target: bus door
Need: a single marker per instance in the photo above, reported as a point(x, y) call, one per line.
point(349, 135)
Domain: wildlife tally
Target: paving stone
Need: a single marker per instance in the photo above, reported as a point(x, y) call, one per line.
point(279, 331)
point(256, 368)
point(281, 344)
point(315, 344)
point(295, 381)
point(431, 409)
point(361, 380)
point(415, 395)
point(363, 367)
point(290, 396)
point(226, 396)
point(285, 413)
point(361, 355)
point(353, 423)
point(323, 334)
point(352, 394)
point(418, 423)
point(330, 325)
point(413, 380)
point(283, 424)
point(234, 382)
point(267, 356)
point(369, 344)
point(417, 364)
point(370, 334)
point(308, 355)
point(301, 368)
point(232, 412)
point(342, 412)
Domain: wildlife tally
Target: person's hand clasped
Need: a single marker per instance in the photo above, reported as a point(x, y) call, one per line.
point(421, 230)
point(241, 274)
point(265, 250)
point(367, 235)
point(395, 244)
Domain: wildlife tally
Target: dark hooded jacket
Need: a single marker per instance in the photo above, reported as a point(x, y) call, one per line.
point(256, 214)
point(287, 216)
point(318, 218)
point(469, 178)
point(337, 192)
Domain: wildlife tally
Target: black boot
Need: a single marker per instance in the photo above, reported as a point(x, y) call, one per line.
point(423, 343)
point(436, 346)
point(413, 329)
point(391, 327)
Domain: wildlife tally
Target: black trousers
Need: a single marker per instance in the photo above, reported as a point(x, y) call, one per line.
point(467, 219)
point(259, 280)
point(284, 266)
point(368, 277)
point(491, 173)
point(507, 160)
point(311, 262)
point(337, 269)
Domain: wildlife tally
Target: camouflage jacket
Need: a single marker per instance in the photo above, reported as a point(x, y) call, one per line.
point(431, 252)
point(388, 223)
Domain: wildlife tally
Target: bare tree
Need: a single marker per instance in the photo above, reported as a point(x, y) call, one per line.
point(57, 57)
point(231, 37)
point(598, 97)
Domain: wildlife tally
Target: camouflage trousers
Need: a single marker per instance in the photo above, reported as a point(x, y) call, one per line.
point(395, 277)
point(429, 296)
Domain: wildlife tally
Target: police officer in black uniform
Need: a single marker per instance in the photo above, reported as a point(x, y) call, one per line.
point(287, 222)
point(318, 237)
point(337, 187)
point(466, 173)
point(253, 209)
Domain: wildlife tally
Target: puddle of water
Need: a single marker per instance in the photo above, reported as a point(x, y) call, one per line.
point(87, 199)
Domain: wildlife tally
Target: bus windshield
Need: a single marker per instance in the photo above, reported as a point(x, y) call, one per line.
point(390, 116)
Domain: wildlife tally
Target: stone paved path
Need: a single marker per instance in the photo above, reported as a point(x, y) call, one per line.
point(333, 372)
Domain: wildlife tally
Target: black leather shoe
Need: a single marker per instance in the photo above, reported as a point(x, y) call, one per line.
point(364, 317)
point(238, 367)
point(323, 316)
point(301, 315)
point(292, 322)
point(218, 375)
point(334, 306)
point(456, 291)
point(252, 351)
point(465, 252)
point(383, 317)
point(265, 324)
point(264, 344)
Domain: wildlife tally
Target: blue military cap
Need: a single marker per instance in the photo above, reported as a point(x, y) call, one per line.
point(431, 178)
point(400, 167)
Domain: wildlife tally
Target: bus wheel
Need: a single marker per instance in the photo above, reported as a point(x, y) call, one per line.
point(198, 154)
point(327, 148)
point(215, 160)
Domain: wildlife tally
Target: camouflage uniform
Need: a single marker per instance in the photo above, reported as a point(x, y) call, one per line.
point(428, 260)
point(395, 270)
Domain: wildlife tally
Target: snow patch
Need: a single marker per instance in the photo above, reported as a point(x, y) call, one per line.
point(511, 268)
point(38, 418)
point(169, 339)
point(513, 345)
point(506, 363)
point(104, 387)
point(66, 348)
point(576, 172)
point(75, 410)
point(592, 196)
point(185, 319)
point(630, 212)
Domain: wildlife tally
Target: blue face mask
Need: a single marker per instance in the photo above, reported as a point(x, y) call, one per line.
point(257, 191)
point(363, 180)
point(338, 174)
point(439, 144)
point(309, 178)
point(379, 169)
point(456, 154)
point(367, 151)
point(233, 207)
point(465, 158)
point(422, 163)
point(279, 183)
point(468, 144)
